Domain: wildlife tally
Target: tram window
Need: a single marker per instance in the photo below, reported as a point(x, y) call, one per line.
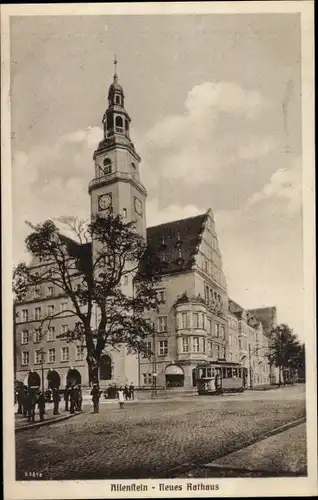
point(208, 372)
point(224, 372)
point(239, 372)
point(229, 372)
point(234, 373)
point(202, 372)
point(218, 371)
point(212, 372)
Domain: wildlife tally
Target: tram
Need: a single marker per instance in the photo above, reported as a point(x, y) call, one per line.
point(217, 377)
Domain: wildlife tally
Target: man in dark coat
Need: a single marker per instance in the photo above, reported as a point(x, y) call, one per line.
point(41, 406)
point(72, 399)
point(131, 391)
point(25, 401)
point(79, 399)
point(56, 400)
point(95, 393)
point(66, 397)
point(31, 402)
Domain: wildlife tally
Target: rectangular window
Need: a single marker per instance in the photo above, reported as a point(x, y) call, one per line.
point(50, 291)
point(79, 353)
point(195, 320)
point(125, 213)
point(36, 293)
point(38, 357)
point(147, 378)
point(204, 346)
point(64, 328)
point(51, 333)
point(65, 354)
point(209, 326)
point(195, 344)
point(148, 348)
point(217, 329)
point(51, 356)
point(162, 324)
point(184, 320)
point(217, 348)
point(222, 332)
point(63, 306)
point(125, 280)
point(25, 315)
point(25, 358)
point(50, 310)
point(37, 336)
point(24, 336)
point(162, 296)
point(210, 349)
point(37, 313)
point(185, 344)
point(230, 340)
point(163, 347)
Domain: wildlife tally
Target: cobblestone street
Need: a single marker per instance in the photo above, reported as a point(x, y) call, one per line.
point(147, 438)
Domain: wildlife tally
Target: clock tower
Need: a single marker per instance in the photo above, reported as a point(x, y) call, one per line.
point(117, 184)
point(116, 187)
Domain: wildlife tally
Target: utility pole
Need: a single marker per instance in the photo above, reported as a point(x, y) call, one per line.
point(154, 362)
point(249, 366)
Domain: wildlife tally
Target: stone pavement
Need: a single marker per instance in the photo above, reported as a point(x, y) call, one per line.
point(283, 454)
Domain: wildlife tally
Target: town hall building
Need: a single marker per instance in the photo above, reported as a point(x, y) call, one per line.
point(196, 322)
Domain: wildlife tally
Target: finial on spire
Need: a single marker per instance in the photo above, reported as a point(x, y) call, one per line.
point(115, 66)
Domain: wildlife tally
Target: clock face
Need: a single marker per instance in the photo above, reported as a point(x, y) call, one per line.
point(105, 201)
point(138, 206)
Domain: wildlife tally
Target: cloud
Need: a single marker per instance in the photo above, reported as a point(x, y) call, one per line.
point(194, 146)
point(175, 211)
point(285, 185)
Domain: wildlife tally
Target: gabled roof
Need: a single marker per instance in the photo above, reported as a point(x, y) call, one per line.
point(174, 239)
point(267, 316)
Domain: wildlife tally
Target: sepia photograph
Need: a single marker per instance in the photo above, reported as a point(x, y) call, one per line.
point(158, 196)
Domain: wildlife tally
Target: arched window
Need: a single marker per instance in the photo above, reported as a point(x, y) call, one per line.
point(127, 125)
point(117, 99)
point(119, 124)
point(107, 166)
point(105, 369)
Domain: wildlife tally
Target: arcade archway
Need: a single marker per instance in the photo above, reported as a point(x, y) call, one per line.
point(54, 379)
point(73, 377)
point(33, 379)
point(174, 376)
point(105, 368)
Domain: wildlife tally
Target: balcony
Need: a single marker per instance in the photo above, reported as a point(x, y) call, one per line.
point(108, 178)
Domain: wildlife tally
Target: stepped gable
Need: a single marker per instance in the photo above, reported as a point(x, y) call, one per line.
point(267, 316)
point(176, 243)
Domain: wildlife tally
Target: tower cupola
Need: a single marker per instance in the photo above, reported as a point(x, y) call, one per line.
point(116, 120)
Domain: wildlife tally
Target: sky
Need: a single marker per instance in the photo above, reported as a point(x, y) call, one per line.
point(215, 103)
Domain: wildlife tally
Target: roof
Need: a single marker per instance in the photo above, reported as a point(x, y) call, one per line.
point(267, 316)
point(176, 243)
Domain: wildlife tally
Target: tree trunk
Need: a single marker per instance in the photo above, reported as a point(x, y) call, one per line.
point(92, 365)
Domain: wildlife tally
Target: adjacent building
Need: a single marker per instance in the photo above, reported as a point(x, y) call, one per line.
point(197, 321)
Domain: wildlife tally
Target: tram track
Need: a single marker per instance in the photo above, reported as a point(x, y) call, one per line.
point(183, 469)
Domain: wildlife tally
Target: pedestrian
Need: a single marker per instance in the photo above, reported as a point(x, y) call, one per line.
point(20, 397)
point(72, 399)
point(25, 401)
point(79, 398)
point(126, 392)
point(121, 398)
point(95, 393)
point(32, 400)
point(131, 391)
point(41, 406)
point(56, 400)
point(66, 397)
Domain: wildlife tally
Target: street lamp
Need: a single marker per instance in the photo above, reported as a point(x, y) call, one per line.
point(154, 362)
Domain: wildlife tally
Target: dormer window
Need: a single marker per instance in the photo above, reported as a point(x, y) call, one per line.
point(107, 166)
point(162, 242)
point(119, 124)
point(178, 240)
point(180, 253)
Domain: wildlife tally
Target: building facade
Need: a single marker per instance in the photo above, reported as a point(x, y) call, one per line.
point(196, 321)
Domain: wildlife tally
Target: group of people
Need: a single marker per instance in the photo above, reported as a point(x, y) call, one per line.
point(128, 392)
point(28, 398)
point(73, 398)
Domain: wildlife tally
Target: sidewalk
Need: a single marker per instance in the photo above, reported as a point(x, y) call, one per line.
point(23, 423)
point(282, 454)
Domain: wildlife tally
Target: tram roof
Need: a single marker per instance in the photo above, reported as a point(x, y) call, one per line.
point(220, 363)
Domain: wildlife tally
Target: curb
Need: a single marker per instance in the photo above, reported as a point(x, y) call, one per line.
point(50, 421)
